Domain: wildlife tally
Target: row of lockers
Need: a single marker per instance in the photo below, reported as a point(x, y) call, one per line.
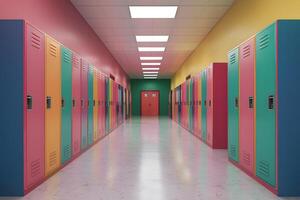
point(263, 98)
point(54, 106)
point(199, 105)
point(262, 105)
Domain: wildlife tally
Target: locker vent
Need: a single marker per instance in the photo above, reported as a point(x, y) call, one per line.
point(67, 57)
point(35, 40)
point(246, 51)
point(76, 62)
point(67, 151)
point(264, 41)
point(53, 50)
point(264, 168)
point(35, 168)
point(232, 59)
point(246, 158)
point(52, 158)
point(233, 150)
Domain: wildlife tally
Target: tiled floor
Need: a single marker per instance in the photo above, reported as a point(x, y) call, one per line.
point(150, 159)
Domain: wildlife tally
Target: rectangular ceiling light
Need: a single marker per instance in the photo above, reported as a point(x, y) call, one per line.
point(151, 72)
point(153, 11)
point(150, 77)
point(151, 58)
point(152, 64)
point(150, 68)
point(152, 38)
point(151, 49)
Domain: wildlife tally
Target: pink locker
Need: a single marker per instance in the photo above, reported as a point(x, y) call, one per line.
point(99, 131)
point(246, 115)
point(35, 114)
point(76, 107)
point(210, 108)
point(84, 103)
point(196, 110)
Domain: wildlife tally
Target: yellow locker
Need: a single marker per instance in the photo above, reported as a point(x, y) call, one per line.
point(53, 106)
point(95, 88)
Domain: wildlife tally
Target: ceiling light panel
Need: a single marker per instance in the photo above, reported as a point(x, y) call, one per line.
point(150, 64)
point(151, 58)
point(150, 77)
point(152, 38)
point(150, 68)
point(153, 11)
point(151, 49)
point(151, 72)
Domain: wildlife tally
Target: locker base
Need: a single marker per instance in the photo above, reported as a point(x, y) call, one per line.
point(268, 187)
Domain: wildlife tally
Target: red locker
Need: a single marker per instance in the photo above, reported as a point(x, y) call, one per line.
point(103, 104)
point(99, 105)
point(76, 107)
point(246, 112)
point(184, 106)
point(210, 108)
point(34, 139)
point(217, 105)
point(84, 103)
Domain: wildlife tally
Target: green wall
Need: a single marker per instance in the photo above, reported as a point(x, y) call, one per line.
point(163, 85)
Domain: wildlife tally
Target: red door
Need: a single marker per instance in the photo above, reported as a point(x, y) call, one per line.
point(246, 116)
point(76, 108)
point(150, 103)
point(35, 117)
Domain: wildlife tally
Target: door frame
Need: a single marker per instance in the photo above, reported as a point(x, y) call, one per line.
point(141, 92)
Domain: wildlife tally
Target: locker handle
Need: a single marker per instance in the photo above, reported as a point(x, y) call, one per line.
point(205, 103)
point(94, 103)
point(99, 103)
point(81, 102)
point(62, 103)
point(73, 102)
point(29, 102)
point(88, 103)
point(48, 102)
point(209, 103)
point(200, 103)
point(236, 102)
point(251, 102)
point(271, 102)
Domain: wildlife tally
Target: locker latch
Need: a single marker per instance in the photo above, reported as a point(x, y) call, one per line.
point(199, 103)
point(73, 102)
point(88, 103)
point(205, 103)
point(48, 102)
point(236, 102)
point(209, 103)
point(271, 102)
point(62, 103)
point(251, 102)
point(81, 102)
point(29, 102)
point(99, 103)
point(94, 103)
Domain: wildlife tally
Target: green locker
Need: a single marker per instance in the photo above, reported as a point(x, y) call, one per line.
point(90, 105)
point(204, 103)
point(191, 105)
point(265, 116)
point(66, 104)
point(233, 105)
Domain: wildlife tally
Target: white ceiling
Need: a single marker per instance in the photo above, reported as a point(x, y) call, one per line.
point(111, 20)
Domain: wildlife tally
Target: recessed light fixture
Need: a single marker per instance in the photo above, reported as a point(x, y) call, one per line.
point(150, 77)
point(153, 11)
point(153, 49)
point(151, 68)
point(152, 38)
point(152, 64)
point(151, 72)
point(151, 58)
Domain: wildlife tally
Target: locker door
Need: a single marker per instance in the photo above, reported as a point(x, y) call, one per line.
point(209, 115)
point(84, 104)
point(99, 103)
point(191, 106)
point(199, 104)
point(76, 107)
point(35, 113)
point(90, 105)
point(106, 105)
point(53, 106)
point(265, 109)
point(95, 105)
point(204, 104)
point(66, 104)
point(246, 115)
point(233, 105)
point(195, 102)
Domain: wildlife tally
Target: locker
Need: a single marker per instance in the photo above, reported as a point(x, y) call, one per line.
point(246, 112)
point(184, 105)
point(197, 99)
point(106, 105)
point(199, 120)
point(84, 104)
point(53, 106)
point(76, 104)
point(99, 103)
point(191, 105)
point(265, 116)
point(209, 107)
point(233, 105)
point(90, 105)
point(95, 105)
point(66, 104)
point(204, 104)
point(103, 104)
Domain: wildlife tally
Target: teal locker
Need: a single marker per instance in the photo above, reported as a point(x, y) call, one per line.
point(90, 105)
point(204, 104)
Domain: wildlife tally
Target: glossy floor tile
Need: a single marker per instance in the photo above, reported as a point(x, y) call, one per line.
point(150, 159)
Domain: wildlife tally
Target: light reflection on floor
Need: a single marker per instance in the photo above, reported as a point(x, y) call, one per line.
point(150, 159)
